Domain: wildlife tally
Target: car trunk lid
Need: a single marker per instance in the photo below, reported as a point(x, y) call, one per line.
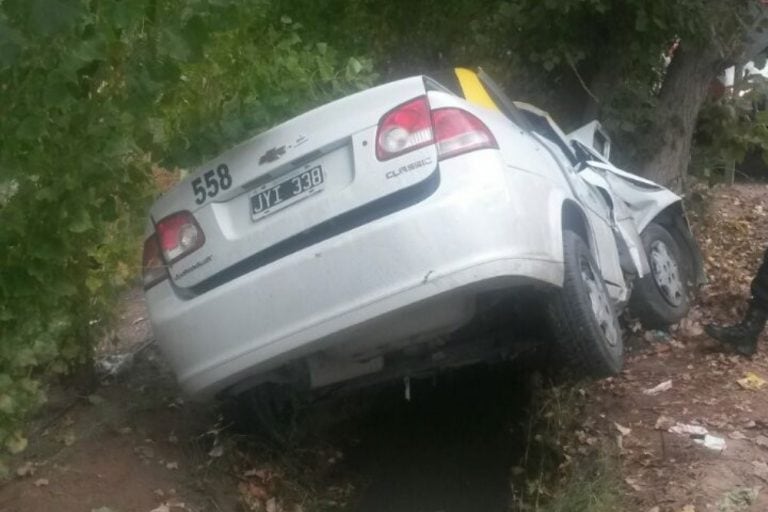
point(282, 184)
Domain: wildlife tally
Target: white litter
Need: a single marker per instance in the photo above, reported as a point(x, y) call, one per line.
point(700, 435)
point(688, 430)
point(664, 386)
point(712, 442)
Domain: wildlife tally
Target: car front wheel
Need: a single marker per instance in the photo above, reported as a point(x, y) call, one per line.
point(583, 316)
point(660, 298)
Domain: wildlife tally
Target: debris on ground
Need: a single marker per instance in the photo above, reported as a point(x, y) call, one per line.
point(664, 386)
point(751, 381)
point(738, 500)
point(717, 399)
point(711, 442)
point(688, 430)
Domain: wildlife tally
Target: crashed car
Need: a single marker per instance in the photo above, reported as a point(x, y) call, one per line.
point(420, 225)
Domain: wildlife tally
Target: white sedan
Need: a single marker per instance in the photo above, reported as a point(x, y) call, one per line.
point(424, 224)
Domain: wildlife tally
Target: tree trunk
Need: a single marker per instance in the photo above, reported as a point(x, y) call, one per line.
point(682, 94)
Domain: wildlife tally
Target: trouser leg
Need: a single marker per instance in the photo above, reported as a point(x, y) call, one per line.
point(760, 285)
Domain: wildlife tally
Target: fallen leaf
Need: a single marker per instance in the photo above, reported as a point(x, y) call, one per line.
point(751, 381)
point(253, 490)
point(217, 451)
point(760, 470)
point(162, 508)
point(172, 465)
point(26, 469)
point(41, 482)
point(664, 423)
point(738, 499)
point(16, 443)
point(145, 452)
point(737, 435)
point(68, 438)
point(624, 431)
point(633, 484)
point(95, 399)
point(688, 508)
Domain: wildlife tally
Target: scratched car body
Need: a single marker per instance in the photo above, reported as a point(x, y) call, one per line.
point(420, 225)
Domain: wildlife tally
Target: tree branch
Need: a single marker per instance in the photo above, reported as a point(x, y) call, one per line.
point(581, 80)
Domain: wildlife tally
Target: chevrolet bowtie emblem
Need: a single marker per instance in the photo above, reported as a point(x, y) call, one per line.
point(271, 155)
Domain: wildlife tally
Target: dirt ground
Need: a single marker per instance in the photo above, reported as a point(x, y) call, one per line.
point(117, 449)
point(671, 471)
point(134, 445)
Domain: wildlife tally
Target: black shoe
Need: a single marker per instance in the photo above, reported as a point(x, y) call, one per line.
point(742, 337)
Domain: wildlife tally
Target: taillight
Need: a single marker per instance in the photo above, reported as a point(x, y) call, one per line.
point(457, 131)
point(179, 235)
point(412, 125)
point(404, 128)
point(153, 267)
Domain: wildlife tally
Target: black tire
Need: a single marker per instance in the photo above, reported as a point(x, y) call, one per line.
point(661, 298)
point(589, 346)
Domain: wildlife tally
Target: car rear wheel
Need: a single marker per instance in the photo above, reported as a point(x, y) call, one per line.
point(660, 298)
point(583, 317)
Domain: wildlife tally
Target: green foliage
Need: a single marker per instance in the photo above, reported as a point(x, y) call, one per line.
point(564, 468)
point(578, 59)
point(95, 94)
point(732, 126)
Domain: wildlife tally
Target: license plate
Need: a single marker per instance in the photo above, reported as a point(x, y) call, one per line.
point(276, 197)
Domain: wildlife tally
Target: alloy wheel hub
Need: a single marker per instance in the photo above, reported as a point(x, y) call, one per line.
point(666, 273)
point(602, 308)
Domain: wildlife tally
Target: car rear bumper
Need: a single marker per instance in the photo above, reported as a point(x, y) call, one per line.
point(485, 227)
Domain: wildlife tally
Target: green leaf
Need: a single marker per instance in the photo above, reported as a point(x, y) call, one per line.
point(93, 283)
point(11, 42)
point(32, 127)
point(49, 16)
point(641, 22)
point(7, 404)
point(81, 221)
point(16, 443)
point(354, 67)
point(173, 44)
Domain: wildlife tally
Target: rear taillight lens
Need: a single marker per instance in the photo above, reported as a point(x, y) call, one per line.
point(457, 131)
point(404, 128)
point(153, 266)
point(179, 235)
point(412, 125)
